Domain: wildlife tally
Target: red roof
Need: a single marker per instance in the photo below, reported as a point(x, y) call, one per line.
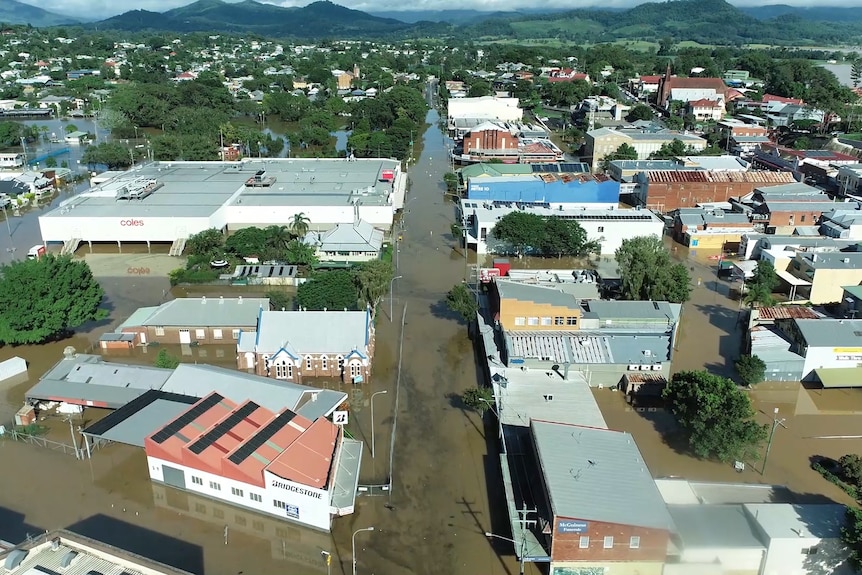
point(704, 103)
point(716, 84)
point(786, 312)
point(650, 79)
point(241, 441)
point(782, 99)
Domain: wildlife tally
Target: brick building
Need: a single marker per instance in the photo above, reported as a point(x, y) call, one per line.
point(668, 190)
point(490, 136)
point(605, 512)
point(293, 345)
point(189, 320)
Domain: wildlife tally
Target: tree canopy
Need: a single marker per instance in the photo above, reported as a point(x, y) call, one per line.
point(715, 416)
point(461, 301)
point(623, 152)
point(334, 290)
point(751, 369)
point(759, 288)
point(40, 299)
point(373, 280)
point(551, 237)
point(648, 273)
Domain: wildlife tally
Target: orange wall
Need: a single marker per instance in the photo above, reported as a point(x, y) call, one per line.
point(510, 309)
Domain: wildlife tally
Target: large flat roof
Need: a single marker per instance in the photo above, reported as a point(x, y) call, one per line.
point(201, 312)
point(141, 417)
point(714, 526)
point(597, 474)
point(827, 332)
point(532, 394)
point(199, 189)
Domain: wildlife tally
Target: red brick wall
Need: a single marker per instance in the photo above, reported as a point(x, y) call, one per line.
point(490, 140)
point(670, 196)
point(566, 546)
point(783, 218)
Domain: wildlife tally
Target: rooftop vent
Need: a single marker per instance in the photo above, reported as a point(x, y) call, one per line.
point(14, 559)
point(67, 559)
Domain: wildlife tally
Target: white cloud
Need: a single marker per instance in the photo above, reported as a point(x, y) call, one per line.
point(100, 9)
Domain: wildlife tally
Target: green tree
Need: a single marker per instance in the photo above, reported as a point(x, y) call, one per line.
point(624, 152)
point(565, 238)
point(461, 301)
point(479, 88)
point(640, 112)
point(299, 225)
point(762, 283)
point(373, 280)
point(166, 360)
point(205, 243)
point(111, 154)
point(672, 149)
point(333, 290)
point(478, 399)
point(648, 273)
point(850, 467)
point(279, 300)
point(300, 253)
point(856, 71)
point(674, 122)
point(451, 181)
point(43, 298)
point(715, 416)
point(751, 369)
point(278, 238)
point(851, 535)
point(71, 128)
point(524, 231)
point(51, 162)
point(247, 242)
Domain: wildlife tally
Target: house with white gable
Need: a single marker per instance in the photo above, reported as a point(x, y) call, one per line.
point(294, 345)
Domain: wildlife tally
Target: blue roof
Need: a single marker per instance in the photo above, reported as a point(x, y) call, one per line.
point(535, 190)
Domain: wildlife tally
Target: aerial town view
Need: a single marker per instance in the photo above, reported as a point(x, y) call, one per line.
point(365, 288)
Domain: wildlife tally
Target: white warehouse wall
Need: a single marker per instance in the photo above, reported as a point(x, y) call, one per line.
point(827, 357)
point(132, 229)
point(313, 504)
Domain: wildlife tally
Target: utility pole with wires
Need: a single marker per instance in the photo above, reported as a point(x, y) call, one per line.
point(775, 423)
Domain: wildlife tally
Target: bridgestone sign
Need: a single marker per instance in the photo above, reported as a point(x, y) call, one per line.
point(295, 489)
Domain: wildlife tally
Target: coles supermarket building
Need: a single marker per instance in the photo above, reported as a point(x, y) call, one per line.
point(169, 201)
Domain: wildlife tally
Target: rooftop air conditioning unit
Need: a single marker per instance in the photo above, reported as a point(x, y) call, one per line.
point(634, 367)
point(656, 367)
point(645, 367)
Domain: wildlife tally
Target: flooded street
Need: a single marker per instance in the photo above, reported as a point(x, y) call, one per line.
point(436, 515)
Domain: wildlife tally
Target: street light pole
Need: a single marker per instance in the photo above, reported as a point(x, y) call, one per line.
point(6, 217)
point(353, 545)
point(372, 420)
point(489, 535)
point(391, 287)
point(775, 423)
point(328, 558)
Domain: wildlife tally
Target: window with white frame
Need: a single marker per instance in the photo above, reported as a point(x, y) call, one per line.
point(308, 362)
point(236, 491)
point(546, 321)
point(609, 542)
point(281, 370)
point(324, 363)
point(532, 321)
point(584, 542)
point(559, 320)
point(215, 486)
point(340, 360)
point(279, 504)
point(520, 321)
point(234, 333)
point(355, 369)
point(197, 480)
point(160, 330)
point(200, 334)
point(255, 497)
point(634, 542)
point(217, 334)
point(601, 229)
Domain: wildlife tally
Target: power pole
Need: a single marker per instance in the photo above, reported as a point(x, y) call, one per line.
point(775, 423)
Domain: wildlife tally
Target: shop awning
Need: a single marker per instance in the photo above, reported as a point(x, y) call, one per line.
point(837, 377)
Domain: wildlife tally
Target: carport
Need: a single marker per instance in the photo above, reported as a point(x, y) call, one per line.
point(838, 377)
point(793, 281)
point(138, 419)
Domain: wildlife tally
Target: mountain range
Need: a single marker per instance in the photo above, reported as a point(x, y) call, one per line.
point(706, 21)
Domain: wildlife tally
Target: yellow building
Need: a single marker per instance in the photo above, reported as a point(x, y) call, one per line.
point(530, 307)
point(821, 275)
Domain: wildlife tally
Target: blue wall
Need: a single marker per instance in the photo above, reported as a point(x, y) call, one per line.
point(537, 191)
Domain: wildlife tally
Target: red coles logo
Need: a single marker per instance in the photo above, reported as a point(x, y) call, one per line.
point(131, 223)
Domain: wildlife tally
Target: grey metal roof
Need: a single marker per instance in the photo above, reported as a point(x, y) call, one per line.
point(833, 260)
point(536, 294)
point(659, 311)
point(319, 403)
point(582, 347)
point(355, 237)
point(532, 394)
point(794, 188)
point(823, 206)
point(598, 474)
point(205, 312)
point(81, 378)
point(714, 526)
point(200, 380)
point(831, 332)
point(135, 423)
point(312, 331)
point(347, 474)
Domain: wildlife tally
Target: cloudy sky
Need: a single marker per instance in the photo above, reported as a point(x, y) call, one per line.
point(105, 8)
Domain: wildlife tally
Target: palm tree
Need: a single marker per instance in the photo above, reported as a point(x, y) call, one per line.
point(300, 224)
point(277, 237)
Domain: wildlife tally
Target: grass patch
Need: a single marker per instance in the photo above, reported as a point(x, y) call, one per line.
point(386, 253)
point(33, 429)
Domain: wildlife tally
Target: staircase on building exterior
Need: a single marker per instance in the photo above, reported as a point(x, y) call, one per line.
point(177, 247)
point(70, 246)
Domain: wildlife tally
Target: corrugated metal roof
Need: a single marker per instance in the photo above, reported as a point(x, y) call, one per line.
point(598, 474)
point(831, 332)
point(532, 394)
point(786, 312)
point(313, 331)
point(202, 312)
point(692, 176)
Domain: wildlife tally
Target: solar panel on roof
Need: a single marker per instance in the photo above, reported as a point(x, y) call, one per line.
point(173, 427)
point(577, 168)
point(261, 437)
point(223, 427)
